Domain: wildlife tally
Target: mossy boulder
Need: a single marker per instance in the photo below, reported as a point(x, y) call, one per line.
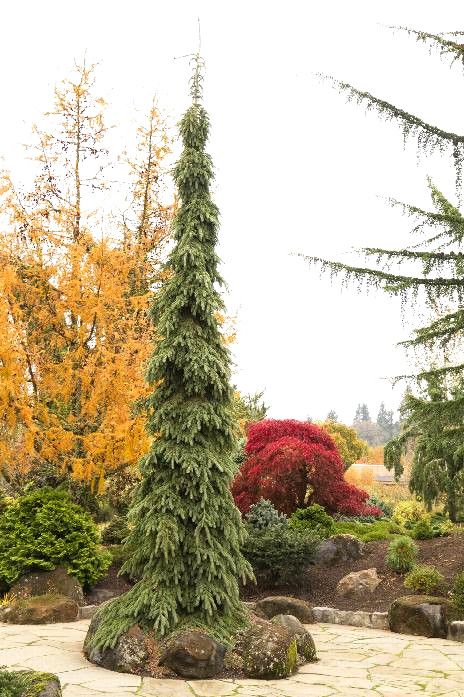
point(41, 609)
point(56, 582)
point(304, 642)
point(29, 683)
point(131, 654)
point(285, 605)
point(421, 615)
point(268, 651)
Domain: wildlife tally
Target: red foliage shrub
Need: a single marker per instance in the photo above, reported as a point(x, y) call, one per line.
point(287, 458)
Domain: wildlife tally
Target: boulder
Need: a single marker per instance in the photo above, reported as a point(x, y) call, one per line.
point(51, 688)
point(193, 654)
point(41, 609)
point(283, 605)
point(131, 654)
point(456, 631)
point(337, 549)
point(56, 582)
point(421, 615)
point(358, 583)
point(304, 641)
point(268, 651)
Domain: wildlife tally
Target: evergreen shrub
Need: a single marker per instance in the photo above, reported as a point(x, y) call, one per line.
point(457, 593)
point(264, 515)
point(23, 683)
point(45, 529)
point(423, 579)
point(408, 513)
point(313, 518)
point(402, 554)
point(279, 555)
point(116, 531)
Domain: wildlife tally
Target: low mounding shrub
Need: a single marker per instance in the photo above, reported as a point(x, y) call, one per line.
point(313, 518)
point(264, 515)
point(423, 579)
point(408, 513)
point(43, 530)
point(368, 532)
point(422, 530)
point(116, 531)
point(457, 593)
point(402, 554)
point(23, 683)
point(279, 555)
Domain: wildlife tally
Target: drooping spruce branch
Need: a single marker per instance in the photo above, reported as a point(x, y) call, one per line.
point(446, 47)
point(428, 137)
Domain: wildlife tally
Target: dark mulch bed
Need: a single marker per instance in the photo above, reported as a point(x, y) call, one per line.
point(319, 584)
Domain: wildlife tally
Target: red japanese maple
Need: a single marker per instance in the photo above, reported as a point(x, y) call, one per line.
point(287, 459)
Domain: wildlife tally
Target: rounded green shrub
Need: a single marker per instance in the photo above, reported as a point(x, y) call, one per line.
point(407, 513)
point(402, 554)
point(116, 531)
point(264, 515)
point(422, 530)
point(457, 593)
point(423, 579)
point(278, 554)
point(315, 518)
point(45, 529)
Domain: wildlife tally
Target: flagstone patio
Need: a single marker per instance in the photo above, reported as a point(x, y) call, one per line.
point(354, 661)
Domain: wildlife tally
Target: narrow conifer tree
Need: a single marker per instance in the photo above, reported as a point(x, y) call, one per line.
point(187, 533)
point(436, 414)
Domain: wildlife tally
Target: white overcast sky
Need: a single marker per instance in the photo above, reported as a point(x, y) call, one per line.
point(297, 169)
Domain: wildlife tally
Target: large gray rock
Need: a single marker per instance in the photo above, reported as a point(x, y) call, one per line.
point(284, 605)
point(42, 609)
point(421, 615)
point(338, 549)
point(131, 653)
point(268, 651)
point(57, 582)
point(193, 654)
point(358, 583)
point(304, 641)
point(456, 631)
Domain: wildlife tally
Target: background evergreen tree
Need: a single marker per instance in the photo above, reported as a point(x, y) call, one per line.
point(332, 416)
point(385, 421)
point(438, 462)
point(187, 534)
point(362, 413)
point(438, 280)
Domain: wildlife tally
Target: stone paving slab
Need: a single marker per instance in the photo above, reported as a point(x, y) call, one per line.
point(353, 661)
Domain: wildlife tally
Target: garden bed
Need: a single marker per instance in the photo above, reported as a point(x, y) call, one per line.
point(319, 583)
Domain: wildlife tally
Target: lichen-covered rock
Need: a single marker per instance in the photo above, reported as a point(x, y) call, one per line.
point(284, 605)
point(56, 582)
point(338, 549)
point(193, 654)
point(268, 651)
point(421, 615)
point(304, 641)
point(358, 583)
point(42, 609)
point(130, 655)
point(52, 688)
